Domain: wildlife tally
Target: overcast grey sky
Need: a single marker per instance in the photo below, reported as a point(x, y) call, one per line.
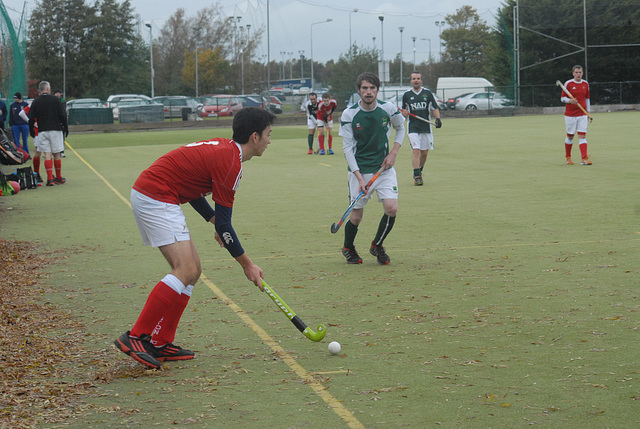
point(290, 22)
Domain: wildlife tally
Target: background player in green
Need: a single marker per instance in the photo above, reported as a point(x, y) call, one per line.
point(365, 128)
point(421, 102)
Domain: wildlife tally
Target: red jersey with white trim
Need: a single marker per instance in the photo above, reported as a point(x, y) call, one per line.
point(325, 112)
point(194, 171)
point(580, 92)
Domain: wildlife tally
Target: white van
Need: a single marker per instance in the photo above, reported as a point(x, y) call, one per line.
point(448, 88)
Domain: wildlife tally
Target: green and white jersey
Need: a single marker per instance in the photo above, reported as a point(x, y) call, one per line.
point(365, 135)
point(420, 104)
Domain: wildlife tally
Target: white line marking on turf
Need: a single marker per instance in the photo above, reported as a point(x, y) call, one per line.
point(305, 375)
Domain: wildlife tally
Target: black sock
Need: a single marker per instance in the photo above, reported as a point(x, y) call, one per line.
point(350, 232)
point(386, 224)
point(310, 140)
point(417, 171)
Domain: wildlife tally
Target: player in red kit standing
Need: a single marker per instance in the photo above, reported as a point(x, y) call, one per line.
point(186, 175)
point(325, 120)
point(576, 121)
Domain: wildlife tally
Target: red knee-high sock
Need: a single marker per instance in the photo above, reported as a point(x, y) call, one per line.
point(36, 164)
point(583, 150)
point(160, 300)
point(165, 331)
point(567, 149)
point(330, 141)
point(48, 166)
point(57, 164)
point(321, 141)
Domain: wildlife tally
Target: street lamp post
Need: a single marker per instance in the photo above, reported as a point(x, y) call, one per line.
point(381, 18)
point(283, 53)
point(197, 37)
point(350, 12)
point(64, 69)
point(148, 24)
point(301, 64)
point(312, 77)
point(401, 58)
point(414, 51)
point(440, 24)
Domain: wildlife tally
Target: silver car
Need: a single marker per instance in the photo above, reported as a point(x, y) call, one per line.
point(481, 101)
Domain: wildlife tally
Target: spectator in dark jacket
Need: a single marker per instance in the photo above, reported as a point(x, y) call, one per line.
point(18, 126)
point(52, 130)
point(3, 114)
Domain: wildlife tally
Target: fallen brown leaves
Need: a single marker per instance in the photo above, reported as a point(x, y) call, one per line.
point(44, 372)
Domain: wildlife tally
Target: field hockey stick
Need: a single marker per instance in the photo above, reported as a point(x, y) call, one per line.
point(417, 117)
point(308, 332)
point(558, 83)
point(336, 226)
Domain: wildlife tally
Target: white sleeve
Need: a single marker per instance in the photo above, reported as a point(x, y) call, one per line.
point(588, 105)
point(397, 121)
point(24, 116)
point(565, 100)
point(348, 145)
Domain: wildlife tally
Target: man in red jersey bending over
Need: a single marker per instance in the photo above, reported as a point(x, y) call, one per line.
point(575, 118)
point(325, 120)
point(186, 175)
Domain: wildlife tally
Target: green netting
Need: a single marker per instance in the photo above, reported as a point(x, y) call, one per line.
point(14, 48)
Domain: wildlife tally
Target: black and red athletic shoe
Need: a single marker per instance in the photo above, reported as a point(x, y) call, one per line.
point(172, 352)
point(140, 349)
point(351, 255)
point(381, 254)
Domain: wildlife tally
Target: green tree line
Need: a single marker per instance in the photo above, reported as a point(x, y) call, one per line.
point(101, 48)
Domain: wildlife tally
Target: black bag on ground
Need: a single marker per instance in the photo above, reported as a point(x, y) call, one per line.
point(10, 154)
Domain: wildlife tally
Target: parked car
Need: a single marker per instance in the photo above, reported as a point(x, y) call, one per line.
point(128, 102)
point(257, 100)
point(113, 100)
point(482, 101)
point(221, 105)
point(83, 103)
point(174, 105)
point(451, 101)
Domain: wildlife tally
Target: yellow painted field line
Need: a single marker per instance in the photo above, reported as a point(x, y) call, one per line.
point(305, 375)
point(106, 182)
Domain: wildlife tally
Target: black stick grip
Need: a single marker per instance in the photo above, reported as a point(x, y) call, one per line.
point(299, 323)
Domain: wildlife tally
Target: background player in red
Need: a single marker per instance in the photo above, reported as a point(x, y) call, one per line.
point(325, 120)
point(575, 118)
point(188, 174)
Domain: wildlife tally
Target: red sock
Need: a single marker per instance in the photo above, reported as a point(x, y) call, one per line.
point(57, 164)
point(48, 166)
point(567, 149)
point(160, 300)
point(321, 141)
point(330, 141)
point(165, 331)
point(36, 164)
point(583, 150)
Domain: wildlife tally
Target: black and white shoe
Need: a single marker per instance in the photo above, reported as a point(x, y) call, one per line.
point(139, 349)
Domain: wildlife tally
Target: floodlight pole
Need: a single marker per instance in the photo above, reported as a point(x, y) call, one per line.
point(148, 24)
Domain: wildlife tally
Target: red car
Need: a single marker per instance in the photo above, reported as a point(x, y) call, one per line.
point(220, 105)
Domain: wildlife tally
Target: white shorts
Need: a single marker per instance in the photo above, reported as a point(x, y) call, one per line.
point(312, 123)
point(159, 223)
point(325, 124)
point(36, 143)
point(575, 124)
point(422, 141)
point(386, 186)
point(51, 141)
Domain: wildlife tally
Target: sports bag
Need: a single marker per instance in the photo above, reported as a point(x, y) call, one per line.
point(10, 154)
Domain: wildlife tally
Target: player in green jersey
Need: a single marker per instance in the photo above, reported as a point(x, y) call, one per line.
point(421, 102)
point(365, 128)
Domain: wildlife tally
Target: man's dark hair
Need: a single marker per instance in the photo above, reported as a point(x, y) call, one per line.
point(251, 120)
point(372, 78)
point(312, 93)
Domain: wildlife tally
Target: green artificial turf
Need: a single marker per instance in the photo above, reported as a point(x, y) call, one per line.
point(511, 299)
